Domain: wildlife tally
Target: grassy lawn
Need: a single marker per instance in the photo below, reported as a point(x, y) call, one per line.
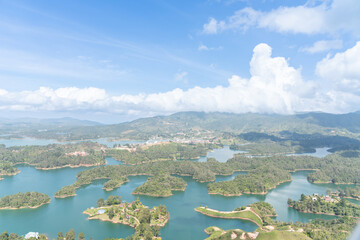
point(282, 235)
point(240, 215)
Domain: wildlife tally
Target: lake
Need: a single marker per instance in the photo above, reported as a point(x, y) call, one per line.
point(185, 223)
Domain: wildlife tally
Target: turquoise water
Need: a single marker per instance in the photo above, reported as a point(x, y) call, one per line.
point(220, 154)
point(185, 223)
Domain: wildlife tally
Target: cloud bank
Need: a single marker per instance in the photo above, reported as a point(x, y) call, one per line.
point(274, 87)
point(329, 17)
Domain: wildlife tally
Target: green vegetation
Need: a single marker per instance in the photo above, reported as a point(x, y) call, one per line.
point(24, 200)
point(67, 191)
point(160, 152)
point(318, 229)
point(326, 205)
point(258, 181)
point(350, 192)
point(7, 169)
point(205, 125)
point(51, 156)
point(258, 213)
point(337, 229)
point(245, 214)
point(161, 185)
point(13, 236)
point(147, 222)
point(339, 168)
point(201, 171)
point(269, 148)
point(115, 183)
point(282, 235)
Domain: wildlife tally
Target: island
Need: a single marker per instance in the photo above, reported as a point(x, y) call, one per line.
point(160, 151)
point(259, 181)
point(318, 229)
point(326, 205)
point(52, 156)
point(115, 183)
point(348, 192)
point(258, 213)
point(161, 185)
point(24, 200)
point(7, 169)
point(147, 222)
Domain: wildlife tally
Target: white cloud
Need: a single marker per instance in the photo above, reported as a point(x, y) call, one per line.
point(211, 27)
point(342, 70)
point(274, 87)
point(181, 76)
point(322, 46)
point(203, 47)
point(327, 17)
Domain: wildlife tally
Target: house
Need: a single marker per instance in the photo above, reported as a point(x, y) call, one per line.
point(328, 199)
point(32, 235)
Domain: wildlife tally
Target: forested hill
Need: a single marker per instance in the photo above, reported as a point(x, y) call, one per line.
point(193, 122)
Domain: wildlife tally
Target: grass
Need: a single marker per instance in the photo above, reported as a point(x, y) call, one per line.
point(245, 215)
point(282, 235)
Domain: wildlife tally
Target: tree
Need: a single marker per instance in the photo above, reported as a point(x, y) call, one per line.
point(60, 236)
point(145, 215)
point(14, 236)
point(303, 197)
point(70, 235)
point(111, 213)
point(81, 236)
point(101, 202)
point(42, 237)
point(4, 236)
point(155, 230)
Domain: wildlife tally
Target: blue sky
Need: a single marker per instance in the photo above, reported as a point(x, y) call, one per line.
point(117, 60)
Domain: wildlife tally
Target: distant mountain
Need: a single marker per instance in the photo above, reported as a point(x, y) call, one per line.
point(25, 126)
point(190, 124)
point(193, 123)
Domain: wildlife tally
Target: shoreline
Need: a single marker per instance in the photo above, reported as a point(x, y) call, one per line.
point(68, 165)
point(256, 193)
point(37, 206)
point(10, 174)
point(117, 186)
point(328, 214)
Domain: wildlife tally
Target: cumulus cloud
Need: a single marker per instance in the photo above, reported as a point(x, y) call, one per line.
point(274, 87)
point(322, 46)
point(327, 17)
point(342, 70)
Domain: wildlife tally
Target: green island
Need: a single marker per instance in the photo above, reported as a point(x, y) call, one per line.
point(271, 147)
point(348, 192)
point(317, 229)
point(259, 181)
point(52, 156)
point(24, 200)
point(161, 185)
point(159, 152)
point(257, 213)
point(7, 169)
point(115, 183)
point(327, 205)
point(147, 222)
point(264, 173)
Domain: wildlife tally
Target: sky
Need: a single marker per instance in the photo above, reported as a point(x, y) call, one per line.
point(113, 61)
